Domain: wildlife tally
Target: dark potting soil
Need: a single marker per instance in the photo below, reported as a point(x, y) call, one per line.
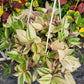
point(10, 79)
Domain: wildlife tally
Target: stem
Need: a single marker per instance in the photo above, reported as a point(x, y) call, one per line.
point(76, 4)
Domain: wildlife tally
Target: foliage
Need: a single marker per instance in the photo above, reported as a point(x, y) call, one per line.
point(75, 19)
point(8, 69)
point(2, 34)
point(1, 12)
point(8, 7)
point(78, 6)
point(65, 8)
point(26, 45)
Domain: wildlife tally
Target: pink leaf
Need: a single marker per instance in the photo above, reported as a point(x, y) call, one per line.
point(5, 16)
point(72, 7)
point(47, 5)
point(62, 2)
point(81, 8)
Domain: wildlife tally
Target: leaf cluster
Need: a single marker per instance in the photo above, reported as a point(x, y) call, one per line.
point(26, 45)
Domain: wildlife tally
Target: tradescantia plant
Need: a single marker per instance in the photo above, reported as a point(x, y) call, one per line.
point(26, 45)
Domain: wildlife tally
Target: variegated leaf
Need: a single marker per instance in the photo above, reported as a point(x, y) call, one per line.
point(68, 62)
point(37, 39)
point(12, 54)
point(36, 57)
point(27, 77)
point(49, 64)
point(21, 79)
point(37, 26)
point(21, 35)
point(59, 79)
point(57, 45)
point(31, 34)
point(34, 48)
point(43, 71)
point(45, 79)
point(69, 78)
point(35, 75)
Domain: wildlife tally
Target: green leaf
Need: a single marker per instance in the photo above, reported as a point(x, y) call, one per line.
point(73, 53)
point(17, 74)
point(35, 75)
point(43, 71)
point(28, 77)
point(3, 46)
point(15, 26)
point(6, 33)
point(69, 78)
point(18, 69)
point(37, 39)
point(34, 48)
point(6, 65)
point(49, 64)
point(36, 57)
point(23, 66)
point(35, 4)
point(6, 71)
point(59, 79)
point(12, 54)
point(82, 60)
point(82, 22)
point(64, 23)
point(45, 79)
point(19, 60)
point(21, 23)
point(31, 34)
point(77, 17)
point(70, 19)
point(71, 13)
point(6, 25)
point(52, 54)
point(60, 36)
point(74, 41)
point(21, 79)
point(53, 81)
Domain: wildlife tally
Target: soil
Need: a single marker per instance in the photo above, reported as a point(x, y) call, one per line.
point(10, 79)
